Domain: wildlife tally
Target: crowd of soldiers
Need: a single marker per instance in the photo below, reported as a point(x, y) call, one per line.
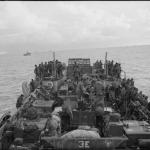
point(94, 93)
point(98, 65)
point(113, 69)
point(121, 93)
point(49, 69)
point(127, 100)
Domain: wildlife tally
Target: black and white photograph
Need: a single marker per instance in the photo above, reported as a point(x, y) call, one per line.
point(74, 75)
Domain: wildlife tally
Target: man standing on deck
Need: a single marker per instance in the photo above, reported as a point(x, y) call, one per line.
point(45, 69)
point(82, 87)
point(75, 65)
point(76, 74)
point(50, 67)
point(19, 101)
point(36, 71)
point(32, 87)
point(59, 69)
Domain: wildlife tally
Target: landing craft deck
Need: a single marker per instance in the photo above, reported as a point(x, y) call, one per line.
point(87, 107)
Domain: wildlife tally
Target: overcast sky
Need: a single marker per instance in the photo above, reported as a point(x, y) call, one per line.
point(60, 25)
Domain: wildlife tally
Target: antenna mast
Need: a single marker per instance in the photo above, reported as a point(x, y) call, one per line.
point(105, 67)
point(54, 71)
point(106, 71)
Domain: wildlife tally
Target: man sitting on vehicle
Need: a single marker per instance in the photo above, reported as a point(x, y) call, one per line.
point(52, 127)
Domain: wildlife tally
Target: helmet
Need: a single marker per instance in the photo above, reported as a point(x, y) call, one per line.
point(85, 76)
point(50, 84)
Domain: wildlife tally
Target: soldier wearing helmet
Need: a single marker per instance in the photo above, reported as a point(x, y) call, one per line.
point(82, 87)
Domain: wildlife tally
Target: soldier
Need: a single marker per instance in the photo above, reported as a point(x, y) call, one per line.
point(112, 94)
point(19, 101)
point(142, 99)
point(82, 87)
point(36, 71)
point(148, 106)
point(53, 127)
point(111, 67)
point(100, 65)
point(58, 101)
point(77, 74)
point(40, 70)
point(132, 82)
point(103, 119)
point(7, 137)
point(59, 69)
point(45, 69)
point(75, 65)
point(123, 101)
point(99, 98)
point(50, 67)
point(32, 87)
point(119, 70)
point(71, 86)
point(115, 71)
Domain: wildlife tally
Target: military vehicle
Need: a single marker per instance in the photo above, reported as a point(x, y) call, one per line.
point(53, 117)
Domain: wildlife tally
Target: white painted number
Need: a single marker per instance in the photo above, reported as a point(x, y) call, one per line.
point(84, 144)
point(81, 144)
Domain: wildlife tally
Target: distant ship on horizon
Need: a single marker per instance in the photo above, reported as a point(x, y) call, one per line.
point(27, 54)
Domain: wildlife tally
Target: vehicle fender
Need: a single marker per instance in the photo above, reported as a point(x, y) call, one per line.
point(144, 143)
